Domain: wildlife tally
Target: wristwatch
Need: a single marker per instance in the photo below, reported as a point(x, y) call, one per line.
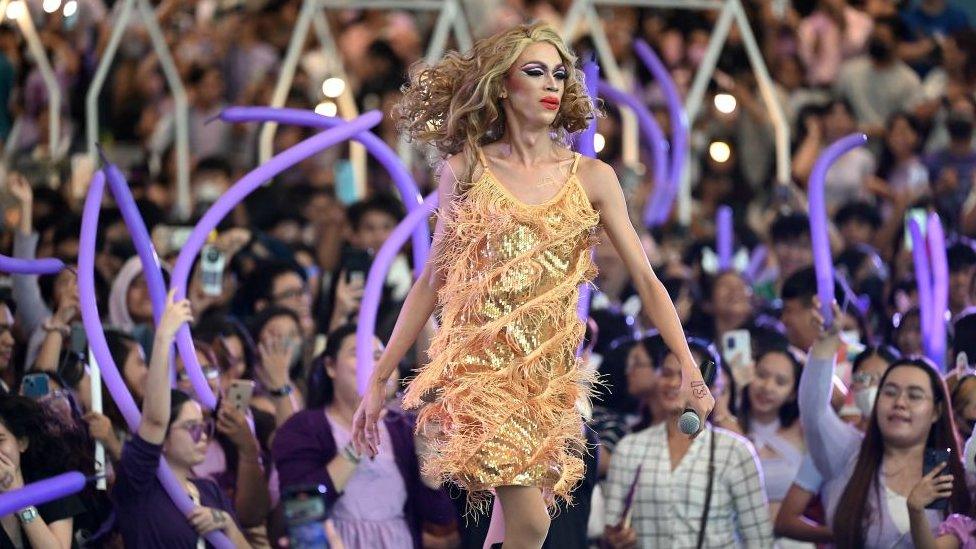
point(27, 514)
point(283, 391)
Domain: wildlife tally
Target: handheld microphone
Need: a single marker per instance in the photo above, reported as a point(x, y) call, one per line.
point(689, 423)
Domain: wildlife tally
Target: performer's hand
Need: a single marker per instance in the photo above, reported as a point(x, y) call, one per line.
point(619, 537)
point(697, 395)
point(365, 435)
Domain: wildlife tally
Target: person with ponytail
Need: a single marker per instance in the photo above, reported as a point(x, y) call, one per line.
point(868, 477)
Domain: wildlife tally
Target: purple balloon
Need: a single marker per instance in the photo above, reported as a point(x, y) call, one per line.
point(42, 491)
point(584, 143)
point(822, 261)
point(679, 126)
point(940, 290)
point(723, 237)
point(652, 134)
point(142, 242)
point(756, 259)
point(923, 279)
point(99, 348)
point(45, 266)
point(373, 290)
point(237, 193)
point(377, 147)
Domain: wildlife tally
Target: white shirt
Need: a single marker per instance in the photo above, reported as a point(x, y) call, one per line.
point(668, 504)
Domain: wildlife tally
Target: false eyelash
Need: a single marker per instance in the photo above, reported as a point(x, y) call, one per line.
point(533, 72)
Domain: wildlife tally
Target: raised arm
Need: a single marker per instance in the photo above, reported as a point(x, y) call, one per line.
point(608, 198)
point(31, 309)
point(416, 310)
point(831, 442)
point(156, 402)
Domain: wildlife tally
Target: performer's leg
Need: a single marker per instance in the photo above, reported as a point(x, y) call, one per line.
point(496, 527)
point(526, 517)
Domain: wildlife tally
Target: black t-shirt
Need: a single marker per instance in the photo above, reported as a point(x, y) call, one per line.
point(53, 511)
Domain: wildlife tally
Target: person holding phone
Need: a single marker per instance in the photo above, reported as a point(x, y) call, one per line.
point(172, 426)
point(868, 477)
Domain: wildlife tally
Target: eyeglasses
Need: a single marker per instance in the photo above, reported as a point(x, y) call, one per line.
point(196, 429)
point(294, 293)
point(864, 378)
point(914, 394)
point(209, 371)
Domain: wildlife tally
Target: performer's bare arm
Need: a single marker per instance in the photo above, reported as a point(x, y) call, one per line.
point(416, 310)
point(603, 189)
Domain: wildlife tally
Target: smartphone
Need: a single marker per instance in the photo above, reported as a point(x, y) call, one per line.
point(79, 340)
point(920, 215)
point(345, 182)
point(239, 394)
point(356, 263)
point(36, 386)
point(933, 457)
point(737, 353)
point(305, 513)
point(212, 262)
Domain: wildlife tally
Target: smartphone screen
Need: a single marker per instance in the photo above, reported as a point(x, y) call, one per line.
point(35, 386)
point(933, 457)
point(921, 217)
point(239, 394)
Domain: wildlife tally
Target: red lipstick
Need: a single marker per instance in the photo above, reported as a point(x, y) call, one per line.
point(550, 102)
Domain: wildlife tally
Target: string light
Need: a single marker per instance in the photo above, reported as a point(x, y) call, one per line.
point(326, 108)
point(70, 7)
point(720, 151)
point(725, 103)
point(333, 87)
point(16, 9)
point(51, 6)
point(599, 142)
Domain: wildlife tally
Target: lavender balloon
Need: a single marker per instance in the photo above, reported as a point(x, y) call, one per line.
point(237, 193)
point(822, 260)
point(723, 237)
point(940, 290)
point(42, 491)
point(373, 290)
point(44, 266)
point(756, 259)
point(377, 147)
point(584, 143)
point(679, 126)
point(923, 279)
point(652, 134)
point(99, 348)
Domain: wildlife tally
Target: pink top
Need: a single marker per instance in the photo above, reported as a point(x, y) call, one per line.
point(822, 47)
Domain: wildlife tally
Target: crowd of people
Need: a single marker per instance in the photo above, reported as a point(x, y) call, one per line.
point(822, 433)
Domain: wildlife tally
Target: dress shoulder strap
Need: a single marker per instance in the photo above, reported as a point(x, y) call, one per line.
point(572, 171)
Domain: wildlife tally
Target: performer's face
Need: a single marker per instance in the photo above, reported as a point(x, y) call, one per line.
point(535, 84)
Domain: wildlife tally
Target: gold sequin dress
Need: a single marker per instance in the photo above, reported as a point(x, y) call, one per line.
point(503, 381)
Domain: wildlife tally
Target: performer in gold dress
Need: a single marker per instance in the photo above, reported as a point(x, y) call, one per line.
point(499, 397)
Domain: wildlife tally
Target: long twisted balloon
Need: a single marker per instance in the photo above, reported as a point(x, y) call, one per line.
point(99, 348)
point(386, 156)
point(940, 291)
point(224, 205)
point(373, 290)
point(679, 126)
point(822, 260)
point(923, 280)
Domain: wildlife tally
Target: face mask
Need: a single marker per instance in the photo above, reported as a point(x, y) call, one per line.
point(208, 191)
point(864, 400)
point(879, 50)
point(960, 127)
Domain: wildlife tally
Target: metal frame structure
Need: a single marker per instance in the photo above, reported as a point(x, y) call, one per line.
point(181, 111)
point(451, 17)
point(26, 24)
point(729, 10)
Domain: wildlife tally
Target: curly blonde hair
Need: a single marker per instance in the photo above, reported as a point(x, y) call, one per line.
point(455, 105)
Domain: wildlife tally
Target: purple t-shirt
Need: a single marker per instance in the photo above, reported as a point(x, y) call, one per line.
point(144, 514)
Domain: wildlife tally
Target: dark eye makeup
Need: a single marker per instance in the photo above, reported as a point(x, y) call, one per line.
point(539, 69)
